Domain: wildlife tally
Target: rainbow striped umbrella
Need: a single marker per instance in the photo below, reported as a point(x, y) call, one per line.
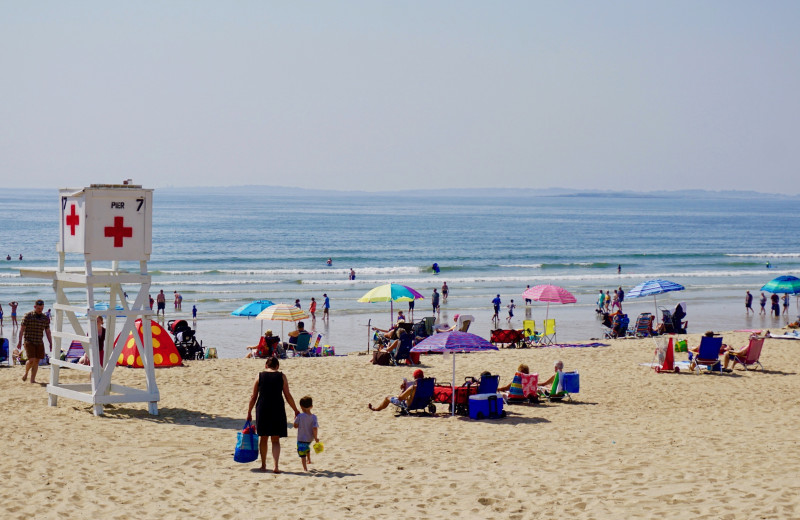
point(391, 292)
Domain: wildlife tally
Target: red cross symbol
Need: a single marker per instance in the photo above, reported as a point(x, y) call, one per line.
point(73, 219)
point(118, 231)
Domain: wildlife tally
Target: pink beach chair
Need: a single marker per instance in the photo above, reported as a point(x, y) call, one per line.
point(752, 355)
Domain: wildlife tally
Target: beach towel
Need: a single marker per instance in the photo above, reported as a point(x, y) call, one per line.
point(789, 335)
point(575, 345)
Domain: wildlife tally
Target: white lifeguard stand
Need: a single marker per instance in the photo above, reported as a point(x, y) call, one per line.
point(104, 222)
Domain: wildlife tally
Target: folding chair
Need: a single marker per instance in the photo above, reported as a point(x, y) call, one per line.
point(549, 333)
point(523, 389)
point(530, 336)
point(708, 353)
point(752, 356)
point(422, 400)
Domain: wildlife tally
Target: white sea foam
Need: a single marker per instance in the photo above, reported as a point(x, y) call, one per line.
point(764, 255)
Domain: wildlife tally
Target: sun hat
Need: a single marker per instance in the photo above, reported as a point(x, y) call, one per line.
point(418, 374)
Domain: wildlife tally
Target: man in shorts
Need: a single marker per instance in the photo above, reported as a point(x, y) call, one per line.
point(161, 300)
point(34, 324)
point(748, 303)
point(326, 306)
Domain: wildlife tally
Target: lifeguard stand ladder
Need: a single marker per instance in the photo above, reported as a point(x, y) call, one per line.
point(104, 223)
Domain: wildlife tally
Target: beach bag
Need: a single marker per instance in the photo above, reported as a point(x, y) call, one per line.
point(246, 444)
point(211, 353)
point(381, 358)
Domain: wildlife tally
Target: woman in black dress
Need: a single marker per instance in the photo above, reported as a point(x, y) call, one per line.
point(268, 393)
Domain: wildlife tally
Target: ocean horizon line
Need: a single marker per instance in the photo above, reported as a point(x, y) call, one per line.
point(478, 192)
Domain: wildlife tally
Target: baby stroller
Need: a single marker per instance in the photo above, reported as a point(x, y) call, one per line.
point(185, 340)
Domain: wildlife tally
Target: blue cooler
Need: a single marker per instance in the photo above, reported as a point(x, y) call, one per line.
point(571, 382)
point(486, 406)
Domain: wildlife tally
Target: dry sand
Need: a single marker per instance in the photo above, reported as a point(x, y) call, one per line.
point(633, 444)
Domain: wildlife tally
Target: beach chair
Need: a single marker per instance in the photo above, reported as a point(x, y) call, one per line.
point(564, 385)
point(403, 350)
point(5, 352)
point(423, 398)
point(75, 352)
point(708, 353)
point(302, 346)
point(430, 321)
point(549, 333)
point(642, 327)
point(752, 356)
point(529, 335)
point(488, 385)
point(464, 321)
point(523, 389)
point(667, 326)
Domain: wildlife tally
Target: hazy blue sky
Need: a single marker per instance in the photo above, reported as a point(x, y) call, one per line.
point(386, 95)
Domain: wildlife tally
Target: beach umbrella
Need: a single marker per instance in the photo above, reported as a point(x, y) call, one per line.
point(549, 294)
point(282, 312)
point(653, 288)
point(783, 284)
point(391, 292)
point(252, 310)
point(453, 342)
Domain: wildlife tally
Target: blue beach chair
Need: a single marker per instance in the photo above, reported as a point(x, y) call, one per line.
point(708, 353)
point(402, 354)
point(423, 398)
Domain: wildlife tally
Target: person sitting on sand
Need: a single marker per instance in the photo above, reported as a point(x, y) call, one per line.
point(523, 368)
point(406, 396)
point(558, 368)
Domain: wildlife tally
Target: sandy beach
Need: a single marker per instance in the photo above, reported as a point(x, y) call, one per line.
point(633, 444)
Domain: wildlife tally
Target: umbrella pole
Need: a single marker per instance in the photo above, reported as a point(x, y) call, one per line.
point(453, 405)
point(391, 313)
point(655, 306)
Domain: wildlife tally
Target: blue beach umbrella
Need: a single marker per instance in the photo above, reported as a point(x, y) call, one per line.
point(253, 309)
point(452, 342)
point(783, 284)
point(652, 288)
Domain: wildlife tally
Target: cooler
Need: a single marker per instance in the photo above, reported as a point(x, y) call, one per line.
point(571, 382)
point(486, 406)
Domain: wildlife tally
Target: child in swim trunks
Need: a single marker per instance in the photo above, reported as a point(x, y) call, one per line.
point(307, 430)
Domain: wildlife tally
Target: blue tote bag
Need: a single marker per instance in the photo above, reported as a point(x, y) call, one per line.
point(246, 444)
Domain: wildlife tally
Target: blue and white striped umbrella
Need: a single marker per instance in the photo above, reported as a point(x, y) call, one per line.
point(652, 288)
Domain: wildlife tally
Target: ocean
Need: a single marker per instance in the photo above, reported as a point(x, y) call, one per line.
point(221, 248)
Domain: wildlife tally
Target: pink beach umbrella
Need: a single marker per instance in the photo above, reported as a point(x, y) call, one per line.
point(549, 294)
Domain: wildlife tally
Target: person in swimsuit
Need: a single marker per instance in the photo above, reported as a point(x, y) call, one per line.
point(763, 303)
point(14, 313)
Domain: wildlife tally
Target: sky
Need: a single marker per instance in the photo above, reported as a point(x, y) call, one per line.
point(378, 95)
